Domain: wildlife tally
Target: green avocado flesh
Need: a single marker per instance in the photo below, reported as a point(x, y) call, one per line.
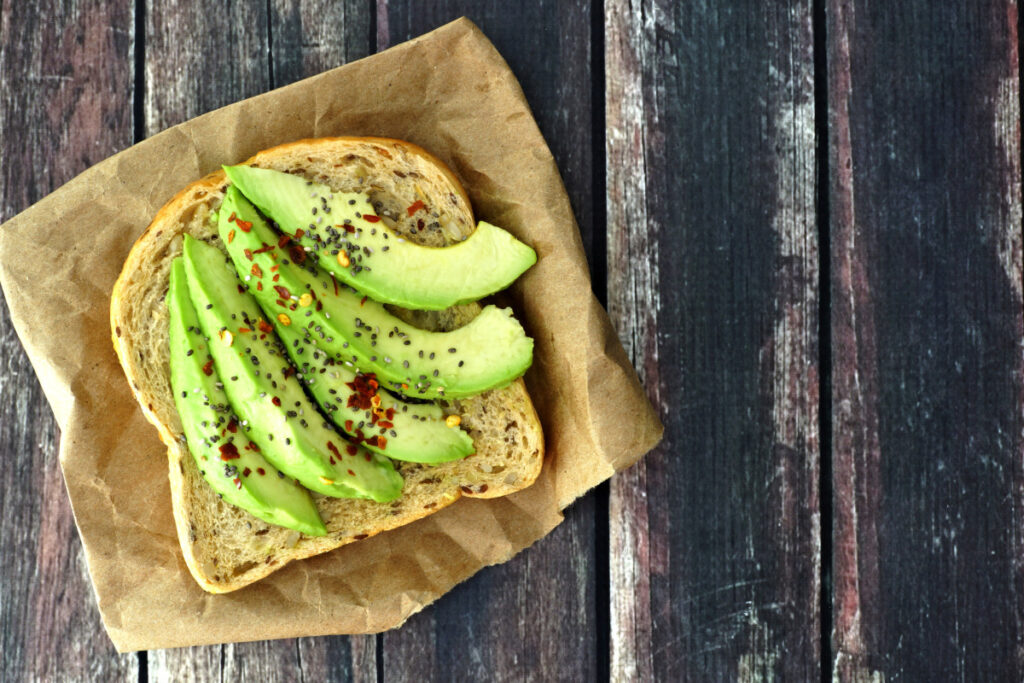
point(355, 331)
point(265, 394)
point(231, 463)
point(375, 260)
point(377, 420)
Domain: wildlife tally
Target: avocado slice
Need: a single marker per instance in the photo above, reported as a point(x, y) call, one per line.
point(265, 393)
point(229, 462)
point(357, 332)
point(377, 420)
point(354, 244)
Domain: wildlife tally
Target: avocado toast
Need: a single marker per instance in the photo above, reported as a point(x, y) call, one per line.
point(226, 547)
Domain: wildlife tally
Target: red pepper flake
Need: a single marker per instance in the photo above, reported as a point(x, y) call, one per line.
point(238, 482)
point(362, 301)
point(279, 302)
point(277, 276)
point(351, 473)
point(241, 289)
point(248, 253)
point(232, 425)
point(335, 284)
point(389, 413)
point(299, 233)
point(259, 286)
point(285, 239)
point(273, 268)
point(231, 236)
point(252, 447)
point(208, 368)
point(282, 292)
point(298, 254)
point(333, 449)
point(349, 228)
point(232, 217)
point(385, 424)
point(229, 451)
point(351, 449)
point(244, 330)
point(288, 372)
point(261, 471)
point(265, 327)
point(348, 425)
point(370, 218)
point(264, 249)
point(244, 226)
point(246, 472)
point(256, 270)
point(276, 401)
point(319, 305)
point(415, 206)
point(373, 441)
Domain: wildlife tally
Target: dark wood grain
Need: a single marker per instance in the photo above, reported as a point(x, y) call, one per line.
point(226, 57)
point(65, 103)
point(533, 618)
point(712, 282)
point(927, 336)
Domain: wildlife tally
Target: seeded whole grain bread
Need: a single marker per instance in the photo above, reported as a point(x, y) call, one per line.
point(224, 546)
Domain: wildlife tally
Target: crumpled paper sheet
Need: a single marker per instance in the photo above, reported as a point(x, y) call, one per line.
point(448, 91)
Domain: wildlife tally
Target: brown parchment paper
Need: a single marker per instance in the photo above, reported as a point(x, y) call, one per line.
point(448, 91)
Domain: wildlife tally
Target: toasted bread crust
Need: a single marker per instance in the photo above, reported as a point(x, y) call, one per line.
point(226, 548)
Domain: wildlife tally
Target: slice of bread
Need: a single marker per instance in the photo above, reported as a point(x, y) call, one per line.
point(225, 547)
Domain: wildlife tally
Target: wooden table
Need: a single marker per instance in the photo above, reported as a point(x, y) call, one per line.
point(805, 219)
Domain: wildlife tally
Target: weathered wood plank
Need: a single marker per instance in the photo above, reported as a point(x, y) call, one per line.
point(261, 46)
point(533, 618)
point(65, 103)
point(712, 283)
point(927, 323)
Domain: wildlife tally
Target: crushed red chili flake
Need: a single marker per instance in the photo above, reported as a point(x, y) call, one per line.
point(363, 300)
point(259, 286)
point(370, 218)
point(333, 449)
point(385, 424)
point(238, 482)
point(368, 457)
point(246, 472)
point(244, 226)
point(244, 330)
point(260, 471)
point(288, 372)
point(241, 289)
point(389, 413)
point(264, 249)
point(266, 327)
point(231, 236)
point(248, 253)
point(299, 233)
point(348, 425)
point(282, 292)
point(319, 305)
point(276, 277)
point(415, 206)
point(298, 254)
point(348, 227)
point(285, 239)
point(232, 217)
point(251, 446)
point(364, 388)
point(229, 451)
point(351, 450)
point(351, 473)
point(232, 425)
point(276, 401)
point(208, 368)
point(256, 270)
